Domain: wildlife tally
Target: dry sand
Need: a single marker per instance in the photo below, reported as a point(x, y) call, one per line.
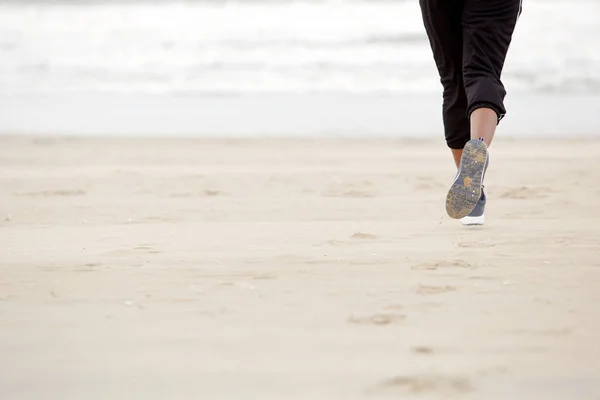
point(290, 269)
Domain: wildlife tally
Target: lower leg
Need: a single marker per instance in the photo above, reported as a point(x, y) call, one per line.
point(457, 154)
point(483, 124)
point(456, 124)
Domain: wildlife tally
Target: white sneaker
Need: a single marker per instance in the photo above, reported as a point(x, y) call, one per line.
point(476, 217)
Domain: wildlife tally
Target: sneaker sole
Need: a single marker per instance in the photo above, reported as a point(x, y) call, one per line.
point(466, 189)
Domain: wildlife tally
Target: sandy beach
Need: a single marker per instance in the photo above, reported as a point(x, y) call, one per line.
point(295, 269)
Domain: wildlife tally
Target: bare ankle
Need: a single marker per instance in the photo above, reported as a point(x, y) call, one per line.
point(483, 124)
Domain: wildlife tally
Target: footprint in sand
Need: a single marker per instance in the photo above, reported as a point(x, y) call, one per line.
point(210, 192)
point(442, 264)
point(147, 247)
point(428, 183)
point(332, 242)
point(360, 235)
point(51, 193)
point(260, 276)
point(89, 267)
point(425, 289)
point(422, 350)
point(144, 247)
point(348, 193)
point(376, 319)
point(441, 385)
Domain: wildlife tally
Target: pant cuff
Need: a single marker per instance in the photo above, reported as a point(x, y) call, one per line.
point(500, 112)
point(457, 144)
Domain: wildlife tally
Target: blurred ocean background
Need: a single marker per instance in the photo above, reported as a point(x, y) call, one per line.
point(274, 67)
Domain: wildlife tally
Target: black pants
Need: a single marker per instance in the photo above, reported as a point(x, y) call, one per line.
point(470, 40)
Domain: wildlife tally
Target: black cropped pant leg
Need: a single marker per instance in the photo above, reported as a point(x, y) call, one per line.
point(469, 40)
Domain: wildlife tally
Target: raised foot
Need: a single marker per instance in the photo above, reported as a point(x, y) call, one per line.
point(466, 188)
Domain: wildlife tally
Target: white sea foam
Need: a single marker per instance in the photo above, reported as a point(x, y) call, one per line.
point(274, 67)
point(264, 47)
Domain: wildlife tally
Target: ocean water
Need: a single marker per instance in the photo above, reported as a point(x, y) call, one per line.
point(88, 54)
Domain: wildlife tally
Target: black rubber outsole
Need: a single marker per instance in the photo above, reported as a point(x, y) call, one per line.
point(466, 189)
